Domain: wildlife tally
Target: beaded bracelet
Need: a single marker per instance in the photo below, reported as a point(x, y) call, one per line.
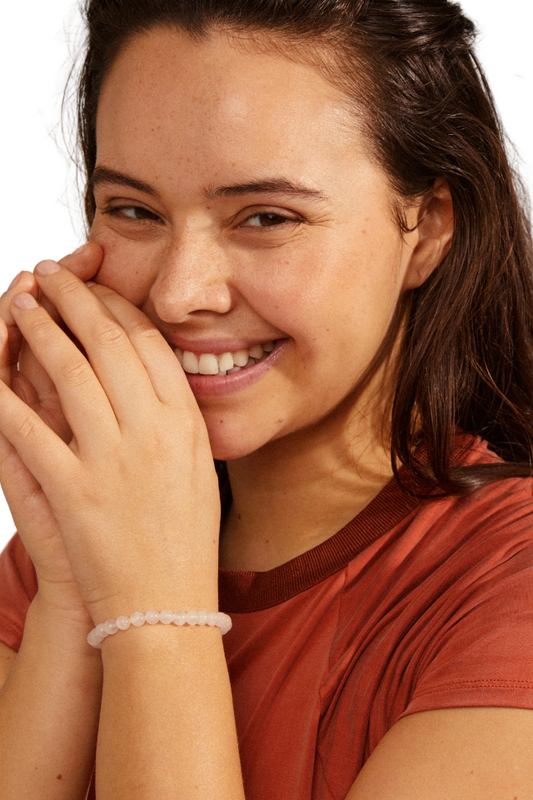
point(213, 618)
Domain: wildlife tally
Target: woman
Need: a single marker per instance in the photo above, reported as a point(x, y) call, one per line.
point(307, 260)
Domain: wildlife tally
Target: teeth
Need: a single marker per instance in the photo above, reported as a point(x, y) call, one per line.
point(208, 364)
point(240, 358)
point(226, 363)
point(190, 363)
point(256, 351)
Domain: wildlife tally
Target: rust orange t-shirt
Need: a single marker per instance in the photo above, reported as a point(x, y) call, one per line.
point(414, 605)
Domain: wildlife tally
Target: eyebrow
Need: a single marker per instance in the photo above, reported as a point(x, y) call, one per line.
point(269, 185)
point(102, 175)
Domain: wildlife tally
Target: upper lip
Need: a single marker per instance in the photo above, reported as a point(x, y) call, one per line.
point(215, 346)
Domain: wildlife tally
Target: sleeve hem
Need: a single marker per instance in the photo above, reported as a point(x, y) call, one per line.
point(483, 694)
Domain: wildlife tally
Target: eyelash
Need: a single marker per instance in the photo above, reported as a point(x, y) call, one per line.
point(119, 211)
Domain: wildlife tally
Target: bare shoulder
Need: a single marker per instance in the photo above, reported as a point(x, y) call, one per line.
point(464, 753)
point(7, 657)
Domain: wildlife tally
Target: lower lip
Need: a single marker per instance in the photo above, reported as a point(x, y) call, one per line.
point(221, 385)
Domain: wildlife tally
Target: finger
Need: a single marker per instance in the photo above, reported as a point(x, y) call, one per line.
point(83, 400)
point(110, 352)
point(5, 367)
point(29, 508)
point(161, 364)
point(84, 262)
point(45, 455)
point(24, 282)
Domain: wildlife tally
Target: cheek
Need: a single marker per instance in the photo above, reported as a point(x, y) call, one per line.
point(127, 267)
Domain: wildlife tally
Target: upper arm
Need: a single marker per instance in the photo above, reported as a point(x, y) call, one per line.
point(7, 657)
point(464, 753)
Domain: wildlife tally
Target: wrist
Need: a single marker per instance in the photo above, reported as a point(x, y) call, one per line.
point(198, 592)
point(67, 625)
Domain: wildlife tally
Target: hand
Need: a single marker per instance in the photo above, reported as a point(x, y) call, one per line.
point(29, 507)
point(135, 493)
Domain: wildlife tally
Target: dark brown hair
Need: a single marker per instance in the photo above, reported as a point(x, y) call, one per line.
point(467, 355)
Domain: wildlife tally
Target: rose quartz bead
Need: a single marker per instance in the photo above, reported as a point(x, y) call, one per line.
point(191, 617)
point(225, 623)
point(166, 616)
point(202, 618)
point(93, 639)
point(152, 617)
point(137, 619)
point(110, 626)
point(101, 631)
point(179, 618)
point(123, 623)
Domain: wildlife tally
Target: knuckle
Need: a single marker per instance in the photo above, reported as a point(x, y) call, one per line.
point(107, 333)
point(68, 285)
point(26, 426)
point(146, 328)
point(41, 324)
point(76, 373)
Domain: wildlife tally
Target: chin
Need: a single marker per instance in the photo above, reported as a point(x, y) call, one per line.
point(229, 450)
point(234, 438)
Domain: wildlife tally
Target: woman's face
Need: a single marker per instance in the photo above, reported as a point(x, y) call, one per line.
point(237, 206)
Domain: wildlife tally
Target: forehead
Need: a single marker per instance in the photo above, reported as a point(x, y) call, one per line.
point(219, 101)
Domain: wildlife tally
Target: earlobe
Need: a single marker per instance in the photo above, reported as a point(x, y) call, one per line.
point(435, 233)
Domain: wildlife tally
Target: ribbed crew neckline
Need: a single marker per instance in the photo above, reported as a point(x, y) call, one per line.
point(244, 592)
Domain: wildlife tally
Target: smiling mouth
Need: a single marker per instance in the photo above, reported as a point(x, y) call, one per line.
point(225, 363)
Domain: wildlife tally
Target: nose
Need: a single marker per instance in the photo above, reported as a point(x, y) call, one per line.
point(193, 278)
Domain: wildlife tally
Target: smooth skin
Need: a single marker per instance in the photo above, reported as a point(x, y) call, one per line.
point(131, 501)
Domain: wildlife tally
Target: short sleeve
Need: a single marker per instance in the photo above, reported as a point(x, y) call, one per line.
point(485, 657)
point(18, 587)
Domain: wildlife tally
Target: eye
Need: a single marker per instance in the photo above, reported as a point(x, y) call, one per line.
point(266, 220)
point(137, 213)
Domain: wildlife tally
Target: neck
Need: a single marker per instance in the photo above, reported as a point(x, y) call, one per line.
point(297, 491)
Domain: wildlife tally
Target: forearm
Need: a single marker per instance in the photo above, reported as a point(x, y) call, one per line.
point(167, 727)
point(49, 708)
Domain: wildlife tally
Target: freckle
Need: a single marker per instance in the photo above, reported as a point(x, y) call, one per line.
point(59, 777)
point(280, 421)
point(220, 421)
point(239, 516)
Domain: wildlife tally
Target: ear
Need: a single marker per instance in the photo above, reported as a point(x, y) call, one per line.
point(434, 226)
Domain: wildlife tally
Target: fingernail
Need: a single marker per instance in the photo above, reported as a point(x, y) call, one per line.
point(14, 281)
point(80, 249)
point(47, 268)
point(25, 300)
point(90, 283)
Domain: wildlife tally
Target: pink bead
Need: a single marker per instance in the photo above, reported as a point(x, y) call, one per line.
point(224, 623)
point(191, 617)
point(93, 639)
point(110, 626)
point(122, 623)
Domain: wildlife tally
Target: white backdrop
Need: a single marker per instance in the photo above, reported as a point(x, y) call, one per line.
point(38, 203)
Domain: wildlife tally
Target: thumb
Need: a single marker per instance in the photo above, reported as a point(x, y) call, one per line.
point(85, 262)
